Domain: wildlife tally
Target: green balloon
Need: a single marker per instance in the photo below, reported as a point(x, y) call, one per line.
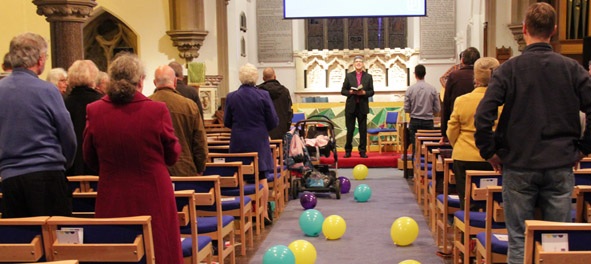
point(279, 254)
point(362, 193)
point(311, 222)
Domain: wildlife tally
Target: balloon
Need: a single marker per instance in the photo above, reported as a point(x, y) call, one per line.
point(311, 222)
point(304, 252)
point(360, 172)
point(362, 193)
point(404, 231)
point(334, 227)
point(345, 184)
point(279, 254)
point(409, 261)
point(308, 200)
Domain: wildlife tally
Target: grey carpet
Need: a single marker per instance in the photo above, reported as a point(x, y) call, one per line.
point(367, 239)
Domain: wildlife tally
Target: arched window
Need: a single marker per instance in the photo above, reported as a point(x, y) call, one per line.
point(105, 36)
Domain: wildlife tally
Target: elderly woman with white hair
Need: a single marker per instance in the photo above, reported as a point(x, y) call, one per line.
point(460, 127)
point(81, 76)
point(251, 115)
point(59, 78)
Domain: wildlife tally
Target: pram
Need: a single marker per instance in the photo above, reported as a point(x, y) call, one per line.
point(309, 140)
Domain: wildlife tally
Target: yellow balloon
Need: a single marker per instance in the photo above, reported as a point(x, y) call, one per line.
point(304, 252)
point(334, 227)
point(404, 231)
point(409, 261)
point(360, 172)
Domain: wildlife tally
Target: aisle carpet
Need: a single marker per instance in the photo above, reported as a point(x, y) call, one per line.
point(374, 160)
point(367, 237)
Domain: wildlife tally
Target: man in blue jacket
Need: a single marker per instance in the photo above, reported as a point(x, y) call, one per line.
point(37, 140)
point(538, 137)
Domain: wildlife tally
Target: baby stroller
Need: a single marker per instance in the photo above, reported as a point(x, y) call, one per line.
point(309, 140)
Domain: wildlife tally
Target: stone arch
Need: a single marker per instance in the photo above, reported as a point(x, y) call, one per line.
point(106, 35)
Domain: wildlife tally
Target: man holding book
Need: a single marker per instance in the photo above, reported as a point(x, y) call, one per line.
point(358, 88)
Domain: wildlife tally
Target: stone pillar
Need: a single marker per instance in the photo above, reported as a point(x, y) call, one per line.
point(222, 34)
point(188, 27)
point(65, 19)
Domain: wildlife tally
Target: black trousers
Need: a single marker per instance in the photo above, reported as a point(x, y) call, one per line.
point(460, 168)
point(43, 193)
point(350, 123)
point(414, 125)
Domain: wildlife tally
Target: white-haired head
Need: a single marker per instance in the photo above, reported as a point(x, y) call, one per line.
point(248, 74)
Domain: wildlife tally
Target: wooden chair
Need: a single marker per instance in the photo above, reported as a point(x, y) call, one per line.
point(218, 143)
point(219, 149)
point(196, 249)
point(492, 247)
point(282, 170)
point(579, 242)
point(583, 203)
point(208, 193)
point(83, 204)
point(447, 204)
point(83, 183)
point(436, 183)
point(250, 170)
point(234, 200)
point(584, 163)
point(467, 223)
point(124, 239)
point(422, 165)
point(387, 134)
point(276, 179)
point(429, 171)
point(21, 239)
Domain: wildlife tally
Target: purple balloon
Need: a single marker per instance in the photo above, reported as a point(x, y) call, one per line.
point(345, 184)
point(308, 201)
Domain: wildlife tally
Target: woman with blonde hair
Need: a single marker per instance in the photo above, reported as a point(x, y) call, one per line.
point(81, 76)
point(129, 139)
point(460, 127)
point(251, 115)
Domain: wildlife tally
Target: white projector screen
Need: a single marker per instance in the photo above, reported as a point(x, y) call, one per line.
point(352, 8)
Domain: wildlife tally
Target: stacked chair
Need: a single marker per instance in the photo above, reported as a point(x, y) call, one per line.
point(578, 237)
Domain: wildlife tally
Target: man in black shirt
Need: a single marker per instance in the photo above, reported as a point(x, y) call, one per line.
point(183, 89)
point(538, 137)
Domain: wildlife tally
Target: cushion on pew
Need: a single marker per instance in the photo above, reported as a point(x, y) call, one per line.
point(208, 224)
point(451, 202)
point(228, 203)
point(478, 219)
point(187, 244)
point(497, 246)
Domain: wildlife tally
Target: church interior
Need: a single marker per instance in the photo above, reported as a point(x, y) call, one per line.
point(212, 39)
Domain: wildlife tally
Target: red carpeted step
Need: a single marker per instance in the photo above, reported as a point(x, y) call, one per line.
point(374, 160)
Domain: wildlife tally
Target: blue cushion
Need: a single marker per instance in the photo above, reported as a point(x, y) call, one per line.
point(429, 165)
point(430, 174)
point(271, 176)
point(208, 224)
point(497, 246)
point(187, 245)
point(477, 219)
point(227, 205)
point(378, 130)
point(455, 203)
point(573, 215)
point(391, 117)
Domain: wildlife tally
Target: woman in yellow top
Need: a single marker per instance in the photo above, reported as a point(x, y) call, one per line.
point(460, 127)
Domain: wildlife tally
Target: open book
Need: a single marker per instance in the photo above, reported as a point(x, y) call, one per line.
point(357, 88)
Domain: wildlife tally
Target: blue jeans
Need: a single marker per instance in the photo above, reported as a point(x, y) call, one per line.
point(523, 190)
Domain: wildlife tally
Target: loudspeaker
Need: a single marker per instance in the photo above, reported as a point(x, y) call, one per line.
point(586, 52)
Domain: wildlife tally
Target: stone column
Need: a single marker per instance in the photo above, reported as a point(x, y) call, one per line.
point(188, 27)
point(222, 34)
point(65, 19)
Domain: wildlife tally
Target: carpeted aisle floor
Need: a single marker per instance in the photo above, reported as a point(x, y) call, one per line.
point(367, 239)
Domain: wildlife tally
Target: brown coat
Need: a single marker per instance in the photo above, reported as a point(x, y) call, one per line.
point(188, 128)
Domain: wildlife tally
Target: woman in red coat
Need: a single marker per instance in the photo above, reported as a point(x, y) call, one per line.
point(129, 140)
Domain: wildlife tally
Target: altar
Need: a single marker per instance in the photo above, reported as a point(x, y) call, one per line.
point(320, 73)
point(336, 113)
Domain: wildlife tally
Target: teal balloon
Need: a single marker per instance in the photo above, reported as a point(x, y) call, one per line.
point(311, 222)
point(362, 193)
point(279, 254)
